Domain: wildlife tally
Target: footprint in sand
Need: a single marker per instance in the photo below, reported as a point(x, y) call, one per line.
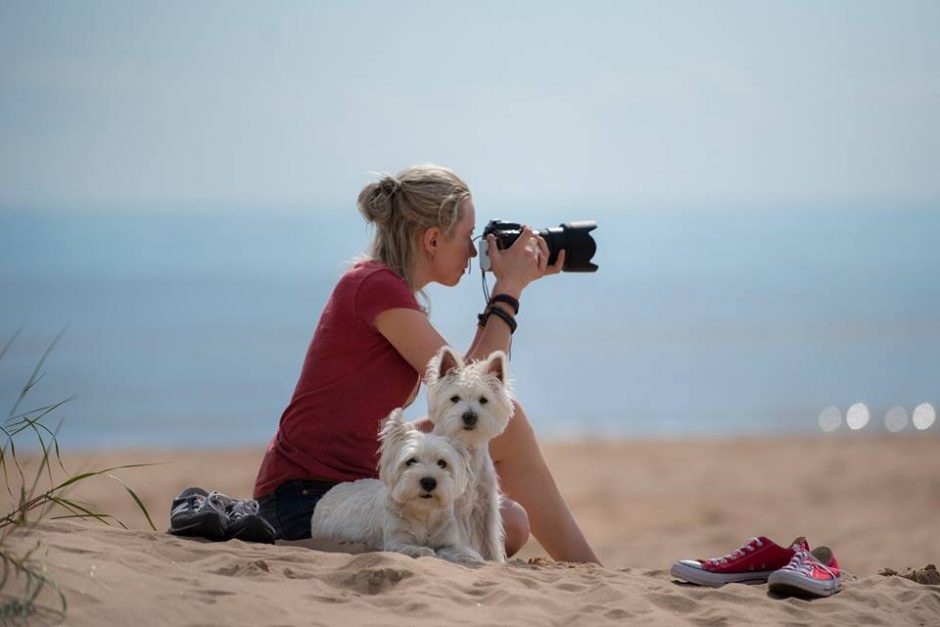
point(372, 580)
point(369, 573)
point(245, 569)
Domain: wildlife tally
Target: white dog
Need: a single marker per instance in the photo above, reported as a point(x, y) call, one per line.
point(472, 403)
point(410, 508)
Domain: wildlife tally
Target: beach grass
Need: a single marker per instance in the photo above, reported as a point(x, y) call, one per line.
point(35, 494)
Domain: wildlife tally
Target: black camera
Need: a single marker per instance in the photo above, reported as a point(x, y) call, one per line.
point(572, 237)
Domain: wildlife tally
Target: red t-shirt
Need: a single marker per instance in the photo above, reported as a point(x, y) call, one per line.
point(351, 379)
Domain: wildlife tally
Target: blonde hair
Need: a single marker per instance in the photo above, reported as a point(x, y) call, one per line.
point(404, 206)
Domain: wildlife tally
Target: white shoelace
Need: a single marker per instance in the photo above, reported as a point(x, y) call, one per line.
point(240, 509)
point(803, 562)
point(227, 506)
point(749, 547)
point(217, 501)
point(233, 508)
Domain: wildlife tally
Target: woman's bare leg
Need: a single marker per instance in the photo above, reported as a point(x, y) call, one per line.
point(525, 478)
point(515, 525)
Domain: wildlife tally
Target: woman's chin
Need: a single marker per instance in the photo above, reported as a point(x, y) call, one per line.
point(451, 281)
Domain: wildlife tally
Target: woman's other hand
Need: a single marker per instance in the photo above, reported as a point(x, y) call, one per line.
point(544, 254)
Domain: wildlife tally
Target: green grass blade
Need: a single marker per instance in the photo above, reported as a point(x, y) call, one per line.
point(44, 464)
point(95, 473)
point(140, 504)
point(3, 461)
point(41, 410)
point(35, 377)
point(19, 469)
point(77, 508)
point(6, 347)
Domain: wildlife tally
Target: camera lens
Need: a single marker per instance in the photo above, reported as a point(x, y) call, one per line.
point(572, 237)
point(575, 239)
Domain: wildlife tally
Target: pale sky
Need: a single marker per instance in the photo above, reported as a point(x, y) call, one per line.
point(134, 106)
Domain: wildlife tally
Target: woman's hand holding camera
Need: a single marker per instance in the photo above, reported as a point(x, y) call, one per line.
point(523, 262)
point(556, 267)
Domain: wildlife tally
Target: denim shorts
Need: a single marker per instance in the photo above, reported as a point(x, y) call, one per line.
point(290, 507)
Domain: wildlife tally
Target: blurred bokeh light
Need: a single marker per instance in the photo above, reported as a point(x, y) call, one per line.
point(896, 419)
point(924, 416)
point(857, 416)
point(830, 419)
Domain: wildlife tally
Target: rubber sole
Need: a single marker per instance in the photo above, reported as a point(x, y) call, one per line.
point(251, 529)
point(788, 583)
point(702, 577)
point(209, 525)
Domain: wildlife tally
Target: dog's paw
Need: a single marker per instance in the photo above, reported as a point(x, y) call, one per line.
point(416, 551)
point(460, 555)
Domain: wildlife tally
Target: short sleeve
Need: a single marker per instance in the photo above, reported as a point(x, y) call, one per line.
point(382, 290)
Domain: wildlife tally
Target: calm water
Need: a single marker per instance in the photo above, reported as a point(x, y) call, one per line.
point(190, 328)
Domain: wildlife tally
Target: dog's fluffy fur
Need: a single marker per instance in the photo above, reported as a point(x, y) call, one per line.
point(471, 403)
point(410, 508)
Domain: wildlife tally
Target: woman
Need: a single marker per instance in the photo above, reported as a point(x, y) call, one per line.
point(373, 343)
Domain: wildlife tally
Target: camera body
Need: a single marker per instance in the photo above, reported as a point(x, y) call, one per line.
point(572, 237)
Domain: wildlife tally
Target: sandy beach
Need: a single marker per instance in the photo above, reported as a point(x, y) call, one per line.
point(643, 504)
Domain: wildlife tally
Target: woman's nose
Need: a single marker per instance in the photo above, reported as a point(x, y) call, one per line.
point(473, 250)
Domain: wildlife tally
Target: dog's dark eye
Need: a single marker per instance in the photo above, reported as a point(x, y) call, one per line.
point(454, 399)
point(442, 463)
point(484, 400)
point(411, 462)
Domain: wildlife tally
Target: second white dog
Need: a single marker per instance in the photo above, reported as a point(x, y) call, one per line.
point(472, 403)
point(410, 508)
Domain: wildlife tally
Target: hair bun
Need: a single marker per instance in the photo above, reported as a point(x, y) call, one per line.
point(390, 185)
point(376, 200)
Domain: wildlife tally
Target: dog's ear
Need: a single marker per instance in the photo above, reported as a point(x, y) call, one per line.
point(394, 429)
point(394, 421)
point(447, 361)
point(496, 365)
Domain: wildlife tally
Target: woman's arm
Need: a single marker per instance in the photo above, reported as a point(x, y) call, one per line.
point(413, 336)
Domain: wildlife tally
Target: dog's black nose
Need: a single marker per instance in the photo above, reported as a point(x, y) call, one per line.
point(469, 418)
point(428, 483)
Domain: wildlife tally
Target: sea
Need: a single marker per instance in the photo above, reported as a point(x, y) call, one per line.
point(188, 327)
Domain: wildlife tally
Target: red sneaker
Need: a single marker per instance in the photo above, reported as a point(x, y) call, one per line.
point(815, 573)
point(752, 563)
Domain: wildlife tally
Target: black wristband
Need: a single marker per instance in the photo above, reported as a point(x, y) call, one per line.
point(509, 300)
point(505, 317)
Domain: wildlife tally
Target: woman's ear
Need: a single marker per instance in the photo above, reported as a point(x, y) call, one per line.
point(432, 237)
